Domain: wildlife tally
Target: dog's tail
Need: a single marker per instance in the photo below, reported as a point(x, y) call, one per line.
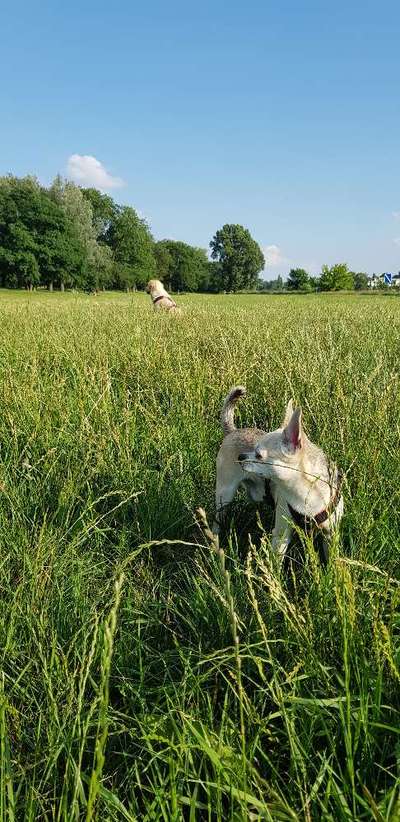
point(228, 408)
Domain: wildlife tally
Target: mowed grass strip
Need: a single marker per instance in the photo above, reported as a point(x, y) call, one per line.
point(145, 674)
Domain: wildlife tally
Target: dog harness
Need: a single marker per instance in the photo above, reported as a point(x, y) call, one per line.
point(306, 523)
point(164, 297)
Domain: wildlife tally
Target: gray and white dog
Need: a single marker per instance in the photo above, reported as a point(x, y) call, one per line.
point(305, 486)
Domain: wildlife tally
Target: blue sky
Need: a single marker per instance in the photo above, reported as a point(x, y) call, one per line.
point(282, 116)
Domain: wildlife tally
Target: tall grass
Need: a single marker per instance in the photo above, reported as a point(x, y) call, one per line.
point(147, 673)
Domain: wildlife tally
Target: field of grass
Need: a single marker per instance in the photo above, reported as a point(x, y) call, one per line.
point(145, 675)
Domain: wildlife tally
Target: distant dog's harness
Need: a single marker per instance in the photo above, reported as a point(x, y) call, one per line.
point(164, 297)
point(306, 523)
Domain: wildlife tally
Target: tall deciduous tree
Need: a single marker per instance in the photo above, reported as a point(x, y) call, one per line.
point(96, 263)
point(164, 262)
point(240, 257)
point(314, 283)
point(62, 257)
point(133, 248)
point(360, 281)
point(336, 278)
point(213, 280)
point(31, 224)
point(181, 266)
point(104, 211)
point(298, 280)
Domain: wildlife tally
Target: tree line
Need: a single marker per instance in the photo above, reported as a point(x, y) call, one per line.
point(336, 277)
point(65, 236)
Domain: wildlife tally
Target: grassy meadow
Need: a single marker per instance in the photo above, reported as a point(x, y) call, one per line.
point(144, 675)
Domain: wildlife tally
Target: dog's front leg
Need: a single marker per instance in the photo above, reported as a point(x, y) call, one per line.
point(282, 531)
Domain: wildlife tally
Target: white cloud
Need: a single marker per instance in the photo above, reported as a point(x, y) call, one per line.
point(87, 171)
point(396, 215)
point(273, 256)
point(276, 262)
point(397, 240)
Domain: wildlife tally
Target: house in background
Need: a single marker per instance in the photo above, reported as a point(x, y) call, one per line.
point(378, 281)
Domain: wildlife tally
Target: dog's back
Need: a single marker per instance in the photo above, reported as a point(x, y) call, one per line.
point(160, 297)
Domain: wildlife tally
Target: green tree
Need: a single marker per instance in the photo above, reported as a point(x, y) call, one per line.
point(99, 271)
point(212, 281)
point(272, 285)
point(181, 266)
point(240, 257)
point(336, 278)
point(62, 257)
point(164, 262)
point(204, 270)
point(20, 257)
point(298, 280)
point(31, 225)
point(265, 285)
point(28, 269)
point(94, 270)
point(123, 277)
point(315, 283)
point(360, 281)
point(133, 249)
point(104, 212)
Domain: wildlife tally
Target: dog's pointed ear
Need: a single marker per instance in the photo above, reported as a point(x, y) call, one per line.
point(293, 432)
point(288, 414)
